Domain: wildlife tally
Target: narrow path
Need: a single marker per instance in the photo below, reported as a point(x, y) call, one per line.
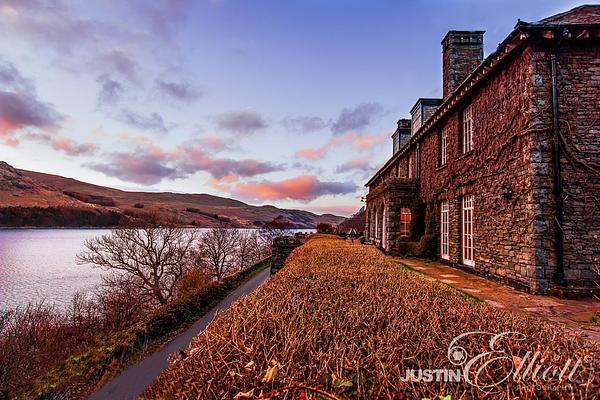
point(135, 379)
point(575, 315)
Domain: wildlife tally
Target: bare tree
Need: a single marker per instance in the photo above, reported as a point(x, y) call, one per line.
point(257, 245)
point(217, 251)
point(246, 255)
point(279, 226)
point(151, 258)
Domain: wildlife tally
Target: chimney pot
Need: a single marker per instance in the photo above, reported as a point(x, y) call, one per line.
point(462, 52)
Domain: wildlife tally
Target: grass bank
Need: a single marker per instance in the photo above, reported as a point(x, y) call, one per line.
point(343, 321)
point(77, 376)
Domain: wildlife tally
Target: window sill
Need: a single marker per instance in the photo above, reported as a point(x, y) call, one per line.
point(465, 155)
point(441, 167)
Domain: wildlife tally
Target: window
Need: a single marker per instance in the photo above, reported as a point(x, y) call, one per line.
point(467, 231)
point(404, 221)
point(418, 161)
point(445, 230)
point(467, 129)
point(410, 166)
point(443, 147)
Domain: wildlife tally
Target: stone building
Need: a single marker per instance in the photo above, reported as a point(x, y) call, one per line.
point(503, 172)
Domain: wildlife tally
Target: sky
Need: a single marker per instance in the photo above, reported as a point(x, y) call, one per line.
point(290, 103)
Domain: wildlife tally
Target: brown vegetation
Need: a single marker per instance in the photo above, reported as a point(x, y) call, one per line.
point(91, 198)
point(155, 288)
point(109, 352)
point(64, 216)
point(345, 321)
point(37, 337)
point(36, 199)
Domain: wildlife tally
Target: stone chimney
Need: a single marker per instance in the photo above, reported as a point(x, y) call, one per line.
point(401, 135)
point(462, 52)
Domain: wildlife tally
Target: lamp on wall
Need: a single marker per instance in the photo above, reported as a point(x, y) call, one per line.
point(506, 193)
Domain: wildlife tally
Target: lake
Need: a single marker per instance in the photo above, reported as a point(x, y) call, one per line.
point(39, 264)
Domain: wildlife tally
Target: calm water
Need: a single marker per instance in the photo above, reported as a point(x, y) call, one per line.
point(39, 264)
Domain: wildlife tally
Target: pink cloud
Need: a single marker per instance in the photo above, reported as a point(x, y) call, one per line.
point(304, 187)
point(214, 142)
point(358, 163)
point(61, 143)
point(315, 153)
point(70, 147)
point(149, 164)
point(223, 184)
point(370, 141)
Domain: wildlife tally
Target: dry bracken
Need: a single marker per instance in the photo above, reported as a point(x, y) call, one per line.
point(345, 321)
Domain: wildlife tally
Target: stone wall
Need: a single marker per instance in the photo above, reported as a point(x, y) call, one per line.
point(499, 164)
point(510, 171)
point(282, 248)
point(578, 75)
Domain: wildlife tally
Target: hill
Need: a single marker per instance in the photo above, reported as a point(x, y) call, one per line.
point(30, 198)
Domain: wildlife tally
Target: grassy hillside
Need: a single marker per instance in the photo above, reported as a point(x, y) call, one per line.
point(33, 198)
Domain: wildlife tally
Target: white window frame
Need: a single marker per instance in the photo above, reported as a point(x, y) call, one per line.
point(467, 129)
point(444, 144)
point(405, 224)
point(376, 232)
point(467, 230)
point(445, 230)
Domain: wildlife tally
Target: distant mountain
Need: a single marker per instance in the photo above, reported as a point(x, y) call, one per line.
point(356, 222)
point(30, 198)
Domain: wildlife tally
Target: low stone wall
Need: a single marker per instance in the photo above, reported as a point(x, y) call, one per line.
point(282, 247)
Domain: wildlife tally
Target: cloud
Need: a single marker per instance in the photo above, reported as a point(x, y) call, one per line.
point(181, 92)
point(304, 124)
point(304, 188)
point(359, 163)
point(357, 118)
point(12, 80)
point(369, 141)
point(215, 143)
point(54, 24)
point(153, 122)
point(18, 110)
point(244, 122)
point(110, 91)
point(316, 153)
point(163, 16)
point(149, 164)
point(120, 62)
point(144, 166)
point(64, 144)
point(193, 158)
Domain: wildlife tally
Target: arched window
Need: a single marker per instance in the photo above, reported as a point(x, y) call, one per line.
point(404, 221)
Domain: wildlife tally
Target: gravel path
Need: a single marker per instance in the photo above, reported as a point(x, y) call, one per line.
point(135, 379)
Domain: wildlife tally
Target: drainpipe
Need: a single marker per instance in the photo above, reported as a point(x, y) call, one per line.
point(559, 276)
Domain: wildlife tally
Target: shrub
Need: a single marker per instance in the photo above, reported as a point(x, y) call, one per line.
point(193, 281)
point(138, 205)
point(106, 353)
point(324, 227)
point(405, 246)
point(426, 247)
point(362, 239)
